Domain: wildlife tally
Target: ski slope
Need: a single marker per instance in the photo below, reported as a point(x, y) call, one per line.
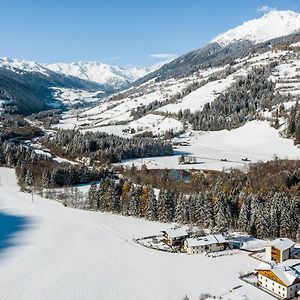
point(52, 252)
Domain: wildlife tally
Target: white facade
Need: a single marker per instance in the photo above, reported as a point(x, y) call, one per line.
point(278, 289)
point(210, 243)
point(282, 279)
point(284, 246)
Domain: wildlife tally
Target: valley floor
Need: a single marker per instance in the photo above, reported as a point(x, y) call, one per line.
point(48, 251)
point(256, 140)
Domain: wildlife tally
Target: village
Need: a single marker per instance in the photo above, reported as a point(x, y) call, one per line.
point(278, 270)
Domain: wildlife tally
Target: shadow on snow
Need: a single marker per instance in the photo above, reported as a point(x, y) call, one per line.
point(10, 227)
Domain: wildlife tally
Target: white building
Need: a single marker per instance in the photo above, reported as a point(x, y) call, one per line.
point(209, 243)
point(282, 280)
point(280, 250)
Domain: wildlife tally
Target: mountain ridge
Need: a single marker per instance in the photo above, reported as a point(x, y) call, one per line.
point(114, 76)
point(271, 25)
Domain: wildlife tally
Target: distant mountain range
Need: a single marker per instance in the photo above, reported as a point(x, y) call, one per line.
point(115, 77)
point(28, 86)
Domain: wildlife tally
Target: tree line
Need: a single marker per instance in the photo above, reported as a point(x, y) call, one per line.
point(219, 204)
point(36, 170)
point(103, 147)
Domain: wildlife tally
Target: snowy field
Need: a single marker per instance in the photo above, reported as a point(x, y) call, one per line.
point(52, 252)
point(196, 100)
point(256, 140)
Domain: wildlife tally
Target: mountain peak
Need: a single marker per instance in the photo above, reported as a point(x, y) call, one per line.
point(271, 25)
point(99, 72)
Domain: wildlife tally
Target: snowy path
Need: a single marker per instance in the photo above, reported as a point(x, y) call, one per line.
point(65, 253)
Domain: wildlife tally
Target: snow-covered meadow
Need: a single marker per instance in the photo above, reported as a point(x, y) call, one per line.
point(52, 252)
point(256, 140)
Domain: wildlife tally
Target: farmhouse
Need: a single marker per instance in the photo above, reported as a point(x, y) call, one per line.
point(282, 280)
point(280, 250)
point(175, 236)
point(209, 243)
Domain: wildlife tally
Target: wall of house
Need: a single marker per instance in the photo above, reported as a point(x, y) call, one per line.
point(285, 255)
point(276, 287)
point(273, 286)
point(269, 253)
point(292, 290)
point(272, 253)
point(276, 254)
point(202, 249)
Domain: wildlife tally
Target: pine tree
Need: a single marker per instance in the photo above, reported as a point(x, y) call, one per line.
point(244, 215)
point(152, 207)
point(144, 205)
point(92, 196)
point(46, 179)
point(180, 210)
point(161, 207)
point(29, 179)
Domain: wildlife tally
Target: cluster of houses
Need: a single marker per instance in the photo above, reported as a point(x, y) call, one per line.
point(280, 273)
point(181, 239)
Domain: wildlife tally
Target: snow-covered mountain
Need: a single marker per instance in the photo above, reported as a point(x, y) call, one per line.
point(113, 76)
point(272, 25)
point(16, 65)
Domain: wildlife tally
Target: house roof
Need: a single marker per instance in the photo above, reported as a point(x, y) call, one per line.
point(176, 232)
point(205, 240)
point(282, 243)
point(287, 271)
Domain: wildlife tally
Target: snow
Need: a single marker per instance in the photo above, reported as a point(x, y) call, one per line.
point(121, 109)
point(72, 96)
point(272, 25)
point(286, 76)
point(176, 232)
point(196, 100)
point(295, 44)
point(205, 240)
point(53, 252)
point(101, 73)
point(18, 65)
point(157, 124)
point(288, 271)
point(282, 243)
point(256, 140)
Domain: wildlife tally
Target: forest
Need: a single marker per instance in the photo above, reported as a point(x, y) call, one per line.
point(264, 202)
point(104, 148)
point(242, 102)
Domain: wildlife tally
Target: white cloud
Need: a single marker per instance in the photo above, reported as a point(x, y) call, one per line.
point(115, 58)
point(265, 9)
point(163, 55)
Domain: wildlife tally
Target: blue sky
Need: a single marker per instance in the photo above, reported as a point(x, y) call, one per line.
point(128, 32)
